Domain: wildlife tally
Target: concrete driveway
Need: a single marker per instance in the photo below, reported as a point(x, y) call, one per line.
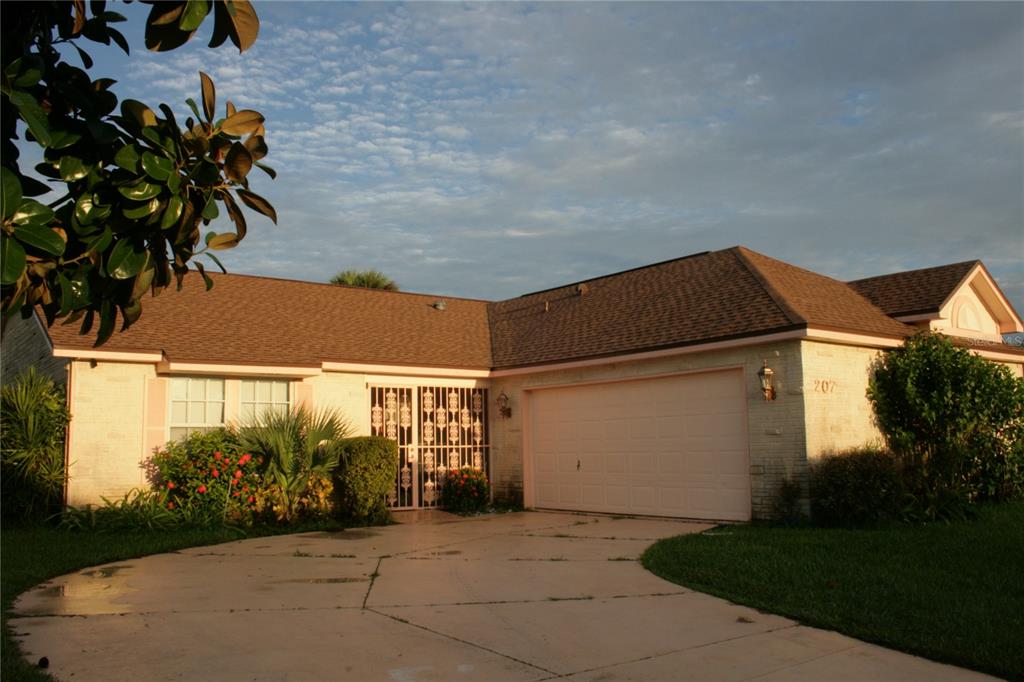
point(525, 596)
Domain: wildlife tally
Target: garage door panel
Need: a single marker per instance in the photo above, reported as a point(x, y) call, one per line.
point(669, 446)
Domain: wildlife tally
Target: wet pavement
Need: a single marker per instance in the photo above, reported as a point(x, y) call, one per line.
point(521, 596)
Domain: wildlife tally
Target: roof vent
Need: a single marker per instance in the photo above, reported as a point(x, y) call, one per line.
point(439, 305)
point(581, 289)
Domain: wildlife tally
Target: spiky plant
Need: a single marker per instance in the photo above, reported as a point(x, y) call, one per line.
point(368, 279)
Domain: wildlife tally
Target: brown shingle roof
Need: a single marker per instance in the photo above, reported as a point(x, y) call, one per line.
point(712, 296)
point(257, 320)
point(915, 291)
point(707, 297)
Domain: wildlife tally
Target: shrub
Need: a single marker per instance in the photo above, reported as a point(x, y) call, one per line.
point(465, 490)
point(208, 479)
point(300, 448)
point(34, 419)
point(856, 487)
point(137, 509)
point(367, 472)
point(788, 506)
point(954, 420)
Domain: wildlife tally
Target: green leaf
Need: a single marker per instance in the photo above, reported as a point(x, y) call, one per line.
point(242, 122)
point(210, 210)
point(162, 32)
point(192, 17)
point(30, 187)
point(257, 203)
point(237, 162)
point(172, 213)
point(236, 215)
point(139, 212)
point(119, 38)
point(83, 55)
point(206, 278)
point(101, 242)
point(138, 112)
point(72, 168)
point(129, 158)
point(174, 182)
point(156, 167)
point(42, 238)
point(108, 317)
point(194, 107)
point(125, 260)
point(33, 115)
point(266, 169)
point(144, 280)
point(11, 193)
point(209, 96)
point(31, 212)
point(12, 259)
point(140, 191)
point(217, 261)
point(61, 139)
point(87, 211)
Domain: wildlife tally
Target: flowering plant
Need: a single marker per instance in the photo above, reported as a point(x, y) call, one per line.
point(209, 472)
point(465, 490)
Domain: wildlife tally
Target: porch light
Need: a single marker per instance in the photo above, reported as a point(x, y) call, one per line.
point(766, 374)
point(503, 406)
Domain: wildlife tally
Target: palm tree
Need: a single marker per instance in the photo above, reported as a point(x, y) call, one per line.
point(368, 279)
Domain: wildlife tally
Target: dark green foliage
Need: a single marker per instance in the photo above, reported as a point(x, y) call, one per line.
point(788, 505)
point(949, 592)
point(954, 420)
point(465, 491)
point(856, 487)
point(369, 465)
point(135, 187)
point(34, 419)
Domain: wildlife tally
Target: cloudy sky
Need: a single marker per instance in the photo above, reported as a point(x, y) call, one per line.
point(490, 150)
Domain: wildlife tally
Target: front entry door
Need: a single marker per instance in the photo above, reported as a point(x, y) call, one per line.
point(437, 428)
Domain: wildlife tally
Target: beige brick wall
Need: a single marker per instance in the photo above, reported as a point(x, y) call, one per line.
point(106, 434)
point(838, 413)
point(25, 345)
point(775, 429)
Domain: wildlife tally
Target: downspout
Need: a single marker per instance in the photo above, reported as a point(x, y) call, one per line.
point(67, 431)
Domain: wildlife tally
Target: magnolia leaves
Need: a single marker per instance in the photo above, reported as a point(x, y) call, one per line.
point(172, 24)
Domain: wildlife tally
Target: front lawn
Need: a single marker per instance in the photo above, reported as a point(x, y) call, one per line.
point(33, 554)
point(951, 593)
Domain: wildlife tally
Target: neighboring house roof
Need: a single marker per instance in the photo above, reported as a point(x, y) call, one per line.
point(713, 296)
point(257, 320)
point(706, 297)
point(915, 291)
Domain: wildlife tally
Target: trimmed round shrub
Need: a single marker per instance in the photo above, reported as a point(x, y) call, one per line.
point(857, 487)
point(365, 475)
point(465, 491)
point(953, 419)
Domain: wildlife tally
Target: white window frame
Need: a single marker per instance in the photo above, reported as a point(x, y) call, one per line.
point(260, 406)
point(190, 426)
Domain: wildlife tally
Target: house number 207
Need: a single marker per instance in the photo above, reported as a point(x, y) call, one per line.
point(825, 385)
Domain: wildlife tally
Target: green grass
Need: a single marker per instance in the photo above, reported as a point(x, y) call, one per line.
point(952, 593)
point(33, 554)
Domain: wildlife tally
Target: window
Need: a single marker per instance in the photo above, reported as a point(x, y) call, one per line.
point(260, 395)
point(197, 405)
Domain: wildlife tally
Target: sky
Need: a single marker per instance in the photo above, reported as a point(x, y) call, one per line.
point(487, 150)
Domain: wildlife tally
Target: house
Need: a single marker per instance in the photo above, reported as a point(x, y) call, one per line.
point(640, 392)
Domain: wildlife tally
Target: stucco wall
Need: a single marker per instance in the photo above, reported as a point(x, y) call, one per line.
point(106, 433)
point(838, 413)
point(25, 345)
point(776, 429)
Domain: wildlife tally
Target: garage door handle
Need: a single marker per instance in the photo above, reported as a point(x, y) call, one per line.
point(577, 465)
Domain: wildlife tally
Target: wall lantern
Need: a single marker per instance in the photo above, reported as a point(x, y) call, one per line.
point(503, 406)
point(766, 374)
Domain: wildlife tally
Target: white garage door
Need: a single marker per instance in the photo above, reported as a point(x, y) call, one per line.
point(674, 446)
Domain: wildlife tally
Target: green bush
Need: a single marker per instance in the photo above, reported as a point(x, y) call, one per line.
point(149, 509)
point(300, 448)
point(856, 487)
point(34, 420)
point(954, 420)
point(364, 477)
point(209, 480)
point(465, 491)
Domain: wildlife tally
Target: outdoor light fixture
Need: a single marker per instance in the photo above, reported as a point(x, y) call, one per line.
point(766, 374)
point(503, 406)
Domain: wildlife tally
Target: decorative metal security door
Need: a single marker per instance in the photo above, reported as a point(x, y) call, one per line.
point(437, 428)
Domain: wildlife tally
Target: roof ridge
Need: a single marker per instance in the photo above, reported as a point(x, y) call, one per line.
point(740, 253)
point(972, 263)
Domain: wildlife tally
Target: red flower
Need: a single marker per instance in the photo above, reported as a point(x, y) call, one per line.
point(201, 489)
point(216, 455)
point(251, 499)
point(238, 473)
point(170, 505)
point(215, 473)
point(235, 494)
point(170, 485)
point(245, 488)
